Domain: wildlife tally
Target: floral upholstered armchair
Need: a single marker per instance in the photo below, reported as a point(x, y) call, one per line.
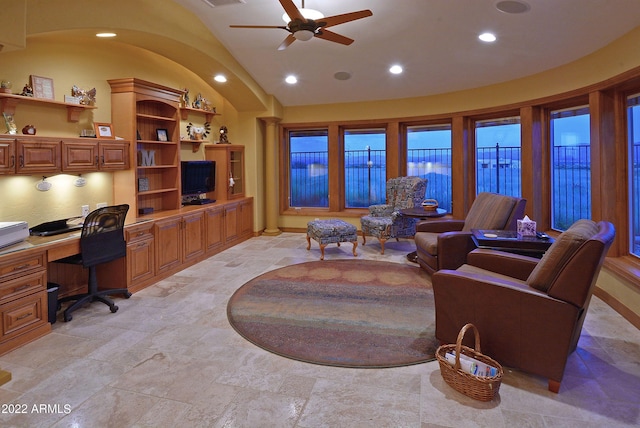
point(384, 220)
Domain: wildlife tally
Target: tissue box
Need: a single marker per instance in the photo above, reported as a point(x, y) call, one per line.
point(526, 227)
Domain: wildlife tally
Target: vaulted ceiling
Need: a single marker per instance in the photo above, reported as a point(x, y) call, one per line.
point(435, 41)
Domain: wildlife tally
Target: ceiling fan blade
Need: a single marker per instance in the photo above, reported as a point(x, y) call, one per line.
point(258, 26)
point(333, 37)
point(292, 10)
point(290, 39)
point(345, 17)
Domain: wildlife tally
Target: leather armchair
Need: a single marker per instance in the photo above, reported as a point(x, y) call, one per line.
point(445, 243)
point(529, 312)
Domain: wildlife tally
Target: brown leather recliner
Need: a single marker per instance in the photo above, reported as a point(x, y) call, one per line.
point(445, 243)
point(529, 312)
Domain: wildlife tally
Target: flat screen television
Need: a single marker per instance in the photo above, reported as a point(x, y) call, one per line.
point(198, 177)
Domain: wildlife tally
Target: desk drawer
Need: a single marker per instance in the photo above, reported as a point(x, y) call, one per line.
point(22, 315)
point(10, 290)
point(20, 266)
point(139, 232)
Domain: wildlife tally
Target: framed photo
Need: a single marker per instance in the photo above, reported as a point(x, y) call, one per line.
point(162, 135)
point(104, 130)
point(42, 87)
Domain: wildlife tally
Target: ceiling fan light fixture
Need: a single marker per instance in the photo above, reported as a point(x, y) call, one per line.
point(303, 35)
point(306, 13)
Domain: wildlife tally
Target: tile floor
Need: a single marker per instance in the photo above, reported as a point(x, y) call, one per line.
point(169, 358)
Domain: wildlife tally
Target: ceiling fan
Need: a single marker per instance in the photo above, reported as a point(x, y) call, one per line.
point(305, 28)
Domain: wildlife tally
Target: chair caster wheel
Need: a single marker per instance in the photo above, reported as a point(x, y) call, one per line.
point(67, 318)
point(113, 308)
point(127, 295)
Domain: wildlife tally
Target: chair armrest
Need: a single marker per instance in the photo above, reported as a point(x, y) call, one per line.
point(440, 226)
point(380, 210)
point(513, 265)
point(453, 248)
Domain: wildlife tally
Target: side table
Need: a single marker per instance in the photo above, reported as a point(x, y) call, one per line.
point(508, 240)
point(421, 214)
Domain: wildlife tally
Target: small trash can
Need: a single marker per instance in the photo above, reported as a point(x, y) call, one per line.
point(52, 300)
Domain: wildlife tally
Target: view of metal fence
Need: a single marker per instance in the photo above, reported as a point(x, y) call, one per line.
point(635, 199)
point(498, 170)
point(571, 185)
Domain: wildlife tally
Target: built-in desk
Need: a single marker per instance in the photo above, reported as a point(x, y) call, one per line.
point(158, 246)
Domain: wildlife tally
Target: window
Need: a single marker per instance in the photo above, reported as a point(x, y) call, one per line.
point(429, 156)
point(498, 156)
point(570, 166)
point(308, 168)
point(365, 167)
point(633, 124)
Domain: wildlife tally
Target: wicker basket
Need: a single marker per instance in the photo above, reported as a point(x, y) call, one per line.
point(477, 387)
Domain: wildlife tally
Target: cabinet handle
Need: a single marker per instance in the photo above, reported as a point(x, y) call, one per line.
point(21, 317)
point(140, 234)
point(102, 160)
point(25, 266)
point(97, 160)
point(12, 161)
point(21, 161)
point(22, 287)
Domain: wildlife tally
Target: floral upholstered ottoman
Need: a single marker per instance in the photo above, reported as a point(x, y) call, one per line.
point(331, 231)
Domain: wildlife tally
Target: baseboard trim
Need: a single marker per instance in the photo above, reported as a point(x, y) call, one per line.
point(618, 306)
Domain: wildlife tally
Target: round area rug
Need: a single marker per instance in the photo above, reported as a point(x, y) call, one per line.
point(346, 313)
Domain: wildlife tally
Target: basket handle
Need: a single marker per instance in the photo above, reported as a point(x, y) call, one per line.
point(463, 330)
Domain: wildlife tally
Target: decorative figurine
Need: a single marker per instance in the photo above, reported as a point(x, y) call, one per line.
point(87, 97)
point(29, 130)
point(224, 139)
point(5, 87)
point(185, 97)
point(198, 101)
point(11, 125)
point(27, 91)
point(198, 132)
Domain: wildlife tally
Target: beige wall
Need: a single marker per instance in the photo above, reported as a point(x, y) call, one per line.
point(87, 65)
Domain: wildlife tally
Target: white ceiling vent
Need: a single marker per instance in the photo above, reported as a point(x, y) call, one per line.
point(214, 3)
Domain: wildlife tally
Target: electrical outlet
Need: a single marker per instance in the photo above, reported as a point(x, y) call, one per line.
point(85, 210)
point(101, 204)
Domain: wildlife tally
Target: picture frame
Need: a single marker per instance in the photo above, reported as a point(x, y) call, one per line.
point(162, 135)
point(42, 87)
point(104, 130)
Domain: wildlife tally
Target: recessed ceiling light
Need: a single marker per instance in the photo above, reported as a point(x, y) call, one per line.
point(342, 75)
point(105, 34)
point(220, 78)
point(487, 37)
point(513, 6)
point(291, 79)
point(395, 69)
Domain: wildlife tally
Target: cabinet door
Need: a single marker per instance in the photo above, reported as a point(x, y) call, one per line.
point(246, 218)
point(38, 156)
point(231, 222)
point(7, 157)
point(236, 169)
point(193, 235)
point(79, 156)
point(140, 261)
point(214, 228)
point(168, 244)
point(113, 155)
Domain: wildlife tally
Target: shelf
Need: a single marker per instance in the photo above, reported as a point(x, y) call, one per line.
point(195, 144)
point(156, 192)
point(155, 166)
point(9, 102)
point(153, 117)
point(184, 113)
point(170, 143)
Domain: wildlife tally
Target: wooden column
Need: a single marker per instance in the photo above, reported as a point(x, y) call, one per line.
point(271, 178)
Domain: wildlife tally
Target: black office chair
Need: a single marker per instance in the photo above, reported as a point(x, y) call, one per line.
point(101, 241)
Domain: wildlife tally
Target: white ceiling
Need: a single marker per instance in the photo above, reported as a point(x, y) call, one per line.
point(434, 40)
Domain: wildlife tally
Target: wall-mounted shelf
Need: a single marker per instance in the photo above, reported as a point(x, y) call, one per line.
point(9, 102)
point(195, 144)
point(184, 113)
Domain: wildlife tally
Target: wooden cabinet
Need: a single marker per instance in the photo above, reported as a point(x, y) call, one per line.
point(179, 240)
point(94, 156)
point(38, 156)
point(140, 255)
point(139, 110)
point(229, 161)
point(228, 224)
point(246, 218)
point(214, 226)
point(23, 299)
point(78, 156)
point(7, 156)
